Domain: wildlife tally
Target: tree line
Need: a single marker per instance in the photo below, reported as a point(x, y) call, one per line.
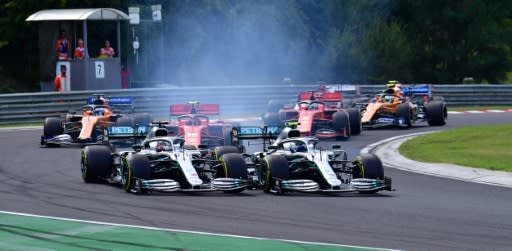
point(246, 41)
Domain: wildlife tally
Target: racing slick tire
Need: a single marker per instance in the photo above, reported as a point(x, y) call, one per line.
point(73, 118)
point(227, 136)
point(52, 127)
point(96, 163)
point(273, 166)
point(233, 166)
point(436, 113)
point(354, 116)
point(370, 167)
point(286, 115)
point(341, 123)
point(142, 119)
point(274, 106)
point(189, 147)
point(136, 166)
point(221, 150)
point(124, 121)
point(234, 124)
point(404, 111)
point(272, 119)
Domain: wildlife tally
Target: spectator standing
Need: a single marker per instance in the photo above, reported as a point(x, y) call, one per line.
point(61, 81)
point(80, 50)
point(62, 46)
point(106, 51)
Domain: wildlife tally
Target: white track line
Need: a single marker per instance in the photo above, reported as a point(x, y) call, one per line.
point(188, 231)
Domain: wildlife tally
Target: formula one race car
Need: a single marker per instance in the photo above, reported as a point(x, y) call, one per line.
point(196, 128)
point(319, 113)
point(87, 126)
point(163, 164)
point(402, 105)
point(297, 164)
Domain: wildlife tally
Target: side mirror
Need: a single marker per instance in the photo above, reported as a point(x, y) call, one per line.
point(336, 147)
point(137, 147)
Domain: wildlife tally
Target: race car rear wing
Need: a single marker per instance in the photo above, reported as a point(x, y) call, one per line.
point(419, 90)
point(330, 93)
point(127, 132)
point(121, 103)
point(321, 96)
point(204, 109)
point(255, 132)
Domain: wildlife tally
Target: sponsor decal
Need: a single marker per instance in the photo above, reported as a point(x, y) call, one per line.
point(192, 134)
point(126, 130)
point(385, 120)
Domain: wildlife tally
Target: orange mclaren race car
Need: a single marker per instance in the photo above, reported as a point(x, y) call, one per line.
point(319, 113)
point(190, 121)
point(402, 105)
point(88, 125)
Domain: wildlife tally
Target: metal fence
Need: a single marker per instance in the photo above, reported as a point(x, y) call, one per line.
point(233, 100)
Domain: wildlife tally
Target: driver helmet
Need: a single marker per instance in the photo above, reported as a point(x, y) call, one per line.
point(99, 111)
point(301, 148)
point(160, 146)
point(388, 99)
point(163, 146)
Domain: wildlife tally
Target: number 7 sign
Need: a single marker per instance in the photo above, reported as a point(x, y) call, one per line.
point(99, 68)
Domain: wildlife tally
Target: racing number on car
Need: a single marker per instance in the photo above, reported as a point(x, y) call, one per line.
point(99, 68)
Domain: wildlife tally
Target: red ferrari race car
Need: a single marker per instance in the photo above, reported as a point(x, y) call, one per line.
point(191, 122)
point(319, 113)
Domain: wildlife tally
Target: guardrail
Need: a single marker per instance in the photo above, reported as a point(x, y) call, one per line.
point(233, 100)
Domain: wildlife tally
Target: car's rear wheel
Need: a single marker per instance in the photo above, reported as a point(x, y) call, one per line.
point(354, 116)
point(436, 113)
point(124, 121)
point(96, 163)
point(189, 147)
point(341, 124)
point(227, 135)
point(272, 166)
point(221, 150)
point(136, 166)
point(274, 106)
point(403, 111)
point(142, 119)
point(272, 119)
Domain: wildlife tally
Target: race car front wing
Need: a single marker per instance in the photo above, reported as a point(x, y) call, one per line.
point(310, 186)
point(170, 185)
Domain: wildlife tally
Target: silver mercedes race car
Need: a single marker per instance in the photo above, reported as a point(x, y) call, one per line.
point(297, 164)
point(165, 164)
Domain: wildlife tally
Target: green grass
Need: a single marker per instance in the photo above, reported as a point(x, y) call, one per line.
point(471, 108)
point(487, 147)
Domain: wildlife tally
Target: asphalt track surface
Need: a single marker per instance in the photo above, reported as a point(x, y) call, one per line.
point(424, 213)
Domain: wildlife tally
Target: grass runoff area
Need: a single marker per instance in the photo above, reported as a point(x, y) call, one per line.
point(486, 146)
point(23, 232)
